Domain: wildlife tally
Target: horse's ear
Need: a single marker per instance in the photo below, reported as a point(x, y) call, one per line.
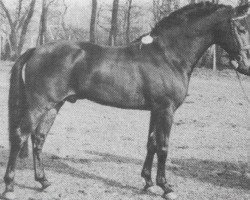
point(242, 10)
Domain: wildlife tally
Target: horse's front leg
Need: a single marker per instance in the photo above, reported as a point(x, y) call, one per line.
point(151, 150)
point(163, 127)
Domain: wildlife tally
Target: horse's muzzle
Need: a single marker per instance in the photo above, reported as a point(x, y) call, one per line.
point(241, 64)
point(243, 71)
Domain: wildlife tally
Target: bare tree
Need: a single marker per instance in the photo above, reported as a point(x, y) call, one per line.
point(113, 30)
point(93, 21)
point(18, 25)
point(129, 2)
point(63, 23)
point(42, 35)
point(162, 8)
point(156, 10)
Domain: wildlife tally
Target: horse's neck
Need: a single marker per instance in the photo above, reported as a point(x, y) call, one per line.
point(191, 49)
point(198, 47)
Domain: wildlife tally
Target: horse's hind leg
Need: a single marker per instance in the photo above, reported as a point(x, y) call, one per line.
point(151, 150)
point(38, 139)
point(18, 135)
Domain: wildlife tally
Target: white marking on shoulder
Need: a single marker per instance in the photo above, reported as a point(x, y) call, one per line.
point(23, 73)
point(147, 39)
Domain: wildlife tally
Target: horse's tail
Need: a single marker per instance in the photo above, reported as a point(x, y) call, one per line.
point(17, 99)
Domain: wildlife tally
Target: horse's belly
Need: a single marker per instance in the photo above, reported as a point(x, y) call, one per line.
point(117, 96)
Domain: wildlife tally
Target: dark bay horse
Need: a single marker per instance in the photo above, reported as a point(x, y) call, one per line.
point(152, 76)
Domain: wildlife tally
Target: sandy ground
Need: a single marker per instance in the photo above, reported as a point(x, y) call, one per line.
point(97, 152)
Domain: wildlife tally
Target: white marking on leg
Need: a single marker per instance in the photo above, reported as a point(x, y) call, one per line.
point(23, 73)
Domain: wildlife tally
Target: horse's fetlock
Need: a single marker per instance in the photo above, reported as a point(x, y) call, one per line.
point(38, 150)
point(152, 148)
point(8, 179)
point(40, 179)
point(146, 173)
point(161, 181)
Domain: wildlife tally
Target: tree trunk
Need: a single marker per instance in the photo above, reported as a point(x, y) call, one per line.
point(25, 26)
point(93, 21)
point(13, 44)
point(114, 29)
point(128, 21)
point(43, 24)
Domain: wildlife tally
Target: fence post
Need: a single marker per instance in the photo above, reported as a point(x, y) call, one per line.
point(214, 58)
point(1, 47)
point(248, 146)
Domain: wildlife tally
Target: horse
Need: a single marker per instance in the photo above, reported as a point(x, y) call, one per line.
point(150, 74)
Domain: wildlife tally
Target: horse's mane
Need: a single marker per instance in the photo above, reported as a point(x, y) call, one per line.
point(187, 13)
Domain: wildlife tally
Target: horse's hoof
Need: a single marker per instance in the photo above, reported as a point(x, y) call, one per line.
point(148, 185)
point(45, 184)
point(9, 195)
point(170, 196)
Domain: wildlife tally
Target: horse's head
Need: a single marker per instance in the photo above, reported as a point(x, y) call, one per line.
point(233, 35)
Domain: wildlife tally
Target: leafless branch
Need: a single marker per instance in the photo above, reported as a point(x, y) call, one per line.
point(25, 25)
point(63, 16)
point(3, 15)
point(19, 8)
point(104, 28)
point(7, 13)
point(21, 19)
point(51, 2)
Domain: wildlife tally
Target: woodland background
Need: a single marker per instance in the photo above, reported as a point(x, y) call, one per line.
point(28, 23)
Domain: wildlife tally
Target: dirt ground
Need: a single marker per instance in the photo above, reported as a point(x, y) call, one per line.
point(97, 152)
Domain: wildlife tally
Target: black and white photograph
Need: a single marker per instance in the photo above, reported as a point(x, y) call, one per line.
point(124, 99)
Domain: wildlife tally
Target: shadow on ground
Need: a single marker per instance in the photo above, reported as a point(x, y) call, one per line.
point(200, 170)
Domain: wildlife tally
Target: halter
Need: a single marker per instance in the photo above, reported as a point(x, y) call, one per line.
point(244, 48)
point(235, 35)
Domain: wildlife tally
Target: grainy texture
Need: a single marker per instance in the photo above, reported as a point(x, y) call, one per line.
point(86, 162)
